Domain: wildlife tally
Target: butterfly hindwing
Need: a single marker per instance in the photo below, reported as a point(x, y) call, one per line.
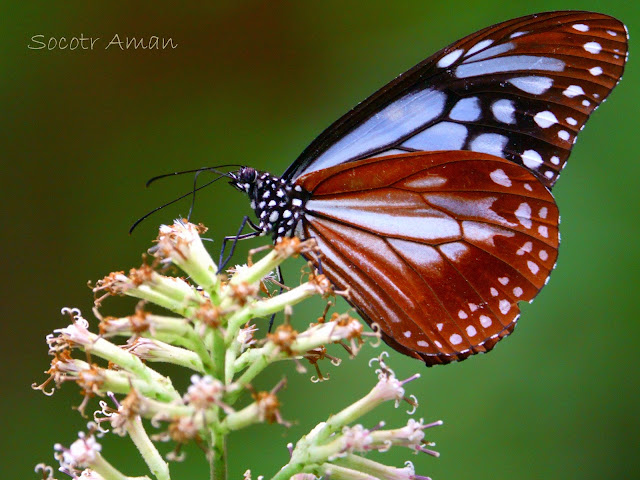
point(436, 248)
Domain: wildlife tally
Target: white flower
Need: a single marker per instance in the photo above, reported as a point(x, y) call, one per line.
point(74, 335)
point(81, 453)
point(246, 338)
point(205, 392)
point(356, 438)
point(89, 474)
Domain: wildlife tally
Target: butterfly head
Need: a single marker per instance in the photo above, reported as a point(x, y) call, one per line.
point(244, 179)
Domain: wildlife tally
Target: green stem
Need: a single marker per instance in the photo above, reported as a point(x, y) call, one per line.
point(108, 471)
point(370, 467)
point(147, 449)
point(337, 472)
point(229, 365)
point(218, 355)
point(218, 460)
point(289, 470)
point(264, 308)
point(250, 373)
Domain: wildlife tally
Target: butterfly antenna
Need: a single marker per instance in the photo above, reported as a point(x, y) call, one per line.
point(192, 192)
point(195, 170)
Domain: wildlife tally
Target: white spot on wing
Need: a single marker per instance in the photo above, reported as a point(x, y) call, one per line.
point(511, 63)
point(545, 119)
point(533, 267)
point(479, 209)
point(462, 314)
point(466, 110)
point(526, 248)
point(543, 230)
point(524, 215)
point(419, 254)
point(595, 71)
point(498, 176)
point(531, 159)
point(454, 250)
point(543, 255)
point(387, 153)
point(593, 47)
point(449, 58)
point(471, 331)
point(518, 292)
point(555, 160)
point(482, 232)
point(532, 84)
point(563, 135)
point(442, 136)
point(572, 121)
point(504, 111)
point(485, 321)
point(491, 143)
point(504, 306)
point(490, 52)
point(479, 46)
point(427, 181)
point(573, 91)
point(407, 334)
point(581, 27)
point(543, 212)
point(455, 339)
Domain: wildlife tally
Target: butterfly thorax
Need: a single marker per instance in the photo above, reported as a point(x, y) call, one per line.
point(277, 203)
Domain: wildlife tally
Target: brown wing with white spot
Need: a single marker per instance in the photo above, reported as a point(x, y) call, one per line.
point(436, 248)
point(520, 90)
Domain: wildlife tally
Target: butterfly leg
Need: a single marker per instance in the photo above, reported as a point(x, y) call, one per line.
point(281, 281)
point(222, 261)
point(318, 257)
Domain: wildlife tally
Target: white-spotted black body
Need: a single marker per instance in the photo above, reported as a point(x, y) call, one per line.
point(278, 204)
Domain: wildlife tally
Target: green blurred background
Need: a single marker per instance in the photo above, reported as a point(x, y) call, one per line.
point(254, 82)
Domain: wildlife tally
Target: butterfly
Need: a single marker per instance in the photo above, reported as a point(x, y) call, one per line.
point(430, 201)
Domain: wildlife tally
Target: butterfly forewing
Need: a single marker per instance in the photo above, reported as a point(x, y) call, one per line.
point(519, 90)
point(436, 248)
